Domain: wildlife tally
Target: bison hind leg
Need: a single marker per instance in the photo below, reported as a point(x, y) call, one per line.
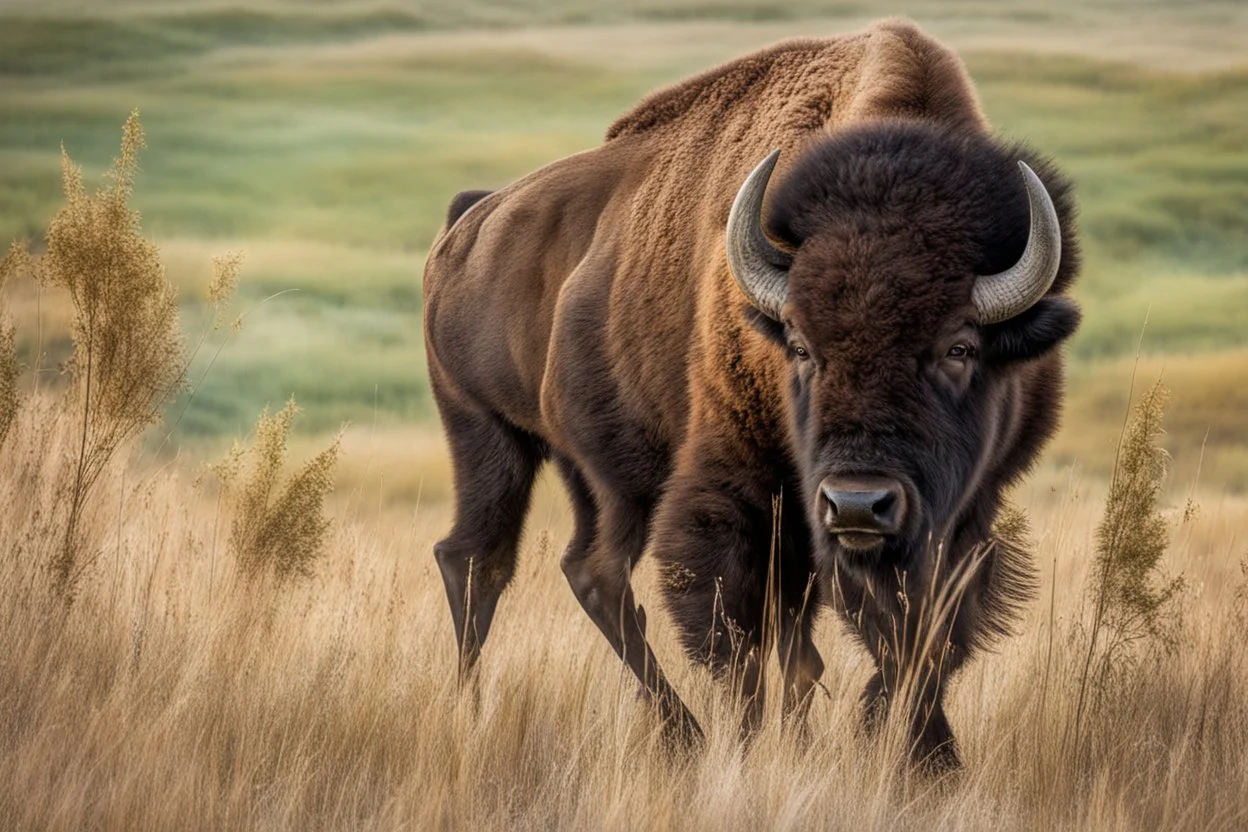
point(494, 465)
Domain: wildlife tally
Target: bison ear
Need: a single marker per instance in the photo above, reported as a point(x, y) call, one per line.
point(1031, 334)
point(772, 329)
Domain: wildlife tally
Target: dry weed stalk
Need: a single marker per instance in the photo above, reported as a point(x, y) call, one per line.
point(8, 379)
point(223, 285)
point(8, 356)
point(128, 351)
point(1131, 595)
point(276, 530)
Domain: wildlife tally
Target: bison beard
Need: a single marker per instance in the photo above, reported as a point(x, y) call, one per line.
point(823, 414)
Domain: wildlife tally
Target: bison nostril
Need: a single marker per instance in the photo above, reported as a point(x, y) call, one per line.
point(884, 504)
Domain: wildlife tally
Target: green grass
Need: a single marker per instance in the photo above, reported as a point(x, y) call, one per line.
point(327, 143)
point(1159, 157)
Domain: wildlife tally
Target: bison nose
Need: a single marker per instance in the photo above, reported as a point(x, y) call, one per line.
point(874, 505)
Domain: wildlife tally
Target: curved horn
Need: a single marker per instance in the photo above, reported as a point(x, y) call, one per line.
point(999, 297)
point(760, 269)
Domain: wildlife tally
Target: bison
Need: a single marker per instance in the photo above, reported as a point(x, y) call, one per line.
point(793, 327)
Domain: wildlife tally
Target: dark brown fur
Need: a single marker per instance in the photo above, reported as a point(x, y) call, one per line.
point(586, 314)
point(461, 203)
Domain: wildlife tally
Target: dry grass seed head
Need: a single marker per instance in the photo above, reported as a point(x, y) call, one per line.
point(1131, 589)
point(16, 260)
point(224, 283)
point(128, 351)
point(8, 378)
point(281, 532)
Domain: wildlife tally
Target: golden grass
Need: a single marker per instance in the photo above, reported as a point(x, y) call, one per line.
point(175, 693)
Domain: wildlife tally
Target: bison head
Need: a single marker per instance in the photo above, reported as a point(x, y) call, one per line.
point(918, 274)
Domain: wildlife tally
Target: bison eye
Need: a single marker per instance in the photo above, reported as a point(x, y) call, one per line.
point(959, 351)
point(801, 353)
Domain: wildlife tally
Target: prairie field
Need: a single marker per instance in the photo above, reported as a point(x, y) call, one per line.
point(193, 637)
point(175, 694)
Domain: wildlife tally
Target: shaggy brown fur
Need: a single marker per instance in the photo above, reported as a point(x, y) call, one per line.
point(586, 314)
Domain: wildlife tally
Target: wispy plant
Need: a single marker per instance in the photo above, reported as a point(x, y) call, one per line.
point(1130, 592)
point(8, 354)
point(128, 351)
point(8, 379)
point(278, 530)
point(223, 285)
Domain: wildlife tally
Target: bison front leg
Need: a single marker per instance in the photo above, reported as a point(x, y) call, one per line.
point(931, 743)
point(714, 548)
point(800, 663)
point(915, 658)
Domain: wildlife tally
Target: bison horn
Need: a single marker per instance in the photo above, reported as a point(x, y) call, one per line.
point(999, 297)
point(760, 269)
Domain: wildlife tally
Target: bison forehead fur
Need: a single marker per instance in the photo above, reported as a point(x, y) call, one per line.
point(844, 451)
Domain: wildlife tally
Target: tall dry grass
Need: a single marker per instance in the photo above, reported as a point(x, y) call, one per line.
point(185, 689)
point(166, 697)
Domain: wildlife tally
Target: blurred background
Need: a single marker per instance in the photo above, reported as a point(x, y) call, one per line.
point(324, 140)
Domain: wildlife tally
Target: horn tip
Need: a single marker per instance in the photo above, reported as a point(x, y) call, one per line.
point(1029, 175)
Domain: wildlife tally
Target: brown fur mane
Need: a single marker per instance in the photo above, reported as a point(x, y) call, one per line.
point(892, 69)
